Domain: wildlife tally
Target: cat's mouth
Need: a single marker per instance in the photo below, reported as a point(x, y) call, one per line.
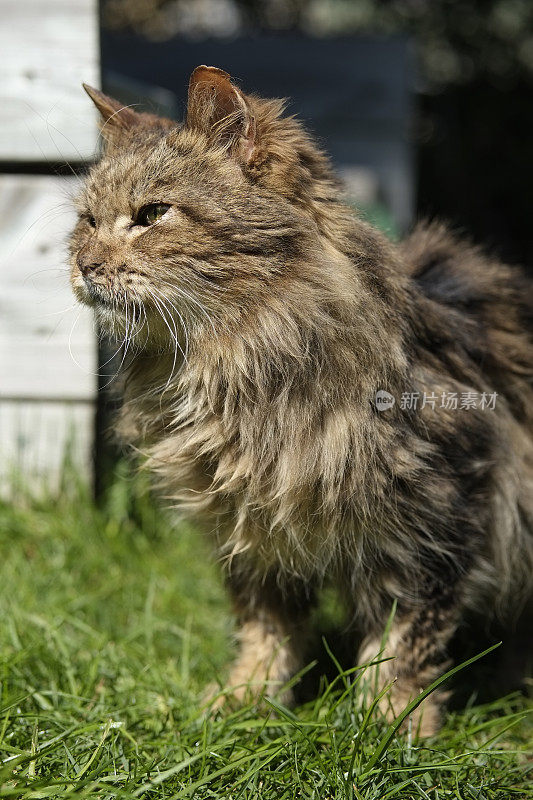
point(100, 295)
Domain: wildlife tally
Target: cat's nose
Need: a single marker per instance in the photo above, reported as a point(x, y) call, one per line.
point(88, 266)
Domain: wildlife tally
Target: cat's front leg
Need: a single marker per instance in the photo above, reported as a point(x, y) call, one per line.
point(272, 633)
point(417, 647)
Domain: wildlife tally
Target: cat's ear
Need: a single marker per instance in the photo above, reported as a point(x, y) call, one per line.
point(118, 120)
point(217, 108)
point(115, 118)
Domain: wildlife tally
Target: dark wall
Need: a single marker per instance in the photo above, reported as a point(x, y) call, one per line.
point(476, 163)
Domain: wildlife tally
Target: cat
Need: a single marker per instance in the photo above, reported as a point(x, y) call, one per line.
point(330, 405)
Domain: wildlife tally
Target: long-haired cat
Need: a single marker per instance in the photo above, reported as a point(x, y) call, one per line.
point(267, 332)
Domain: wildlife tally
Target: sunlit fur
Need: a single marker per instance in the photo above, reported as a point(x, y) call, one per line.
point(260, 317)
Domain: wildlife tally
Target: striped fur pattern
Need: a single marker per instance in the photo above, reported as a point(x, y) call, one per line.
point(258, 318)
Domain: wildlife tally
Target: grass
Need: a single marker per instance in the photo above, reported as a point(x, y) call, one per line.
point(113, 622)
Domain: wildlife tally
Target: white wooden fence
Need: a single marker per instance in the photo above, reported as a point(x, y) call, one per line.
point(47, 344)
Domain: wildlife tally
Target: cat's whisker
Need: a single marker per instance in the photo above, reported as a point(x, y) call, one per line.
point(43, 154)
point(161, 388)
point(41, 218)
point(127, 337)
point(183, 325)
point(175, 357)
point(103, 337)
point(74, 359)
point(117, 371)
point(124, 344)
point(50, 126)
point(161, 307)
point(57, 270)
point(144, 319)
point(110, 359)
point(112, 117)
point(194, 295)
point(137, 315)
point(62, 311)
point(185, 333)
point(189, 298)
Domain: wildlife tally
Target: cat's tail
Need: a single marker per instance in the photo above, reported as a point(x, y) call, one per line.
point(497, 297)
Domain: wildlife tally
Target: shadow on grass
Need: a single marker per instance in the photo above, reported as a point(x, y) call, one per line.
point(500, 673)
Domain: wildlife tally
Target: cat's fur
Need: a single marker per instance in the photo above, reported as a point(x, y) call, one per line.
point(292, 313)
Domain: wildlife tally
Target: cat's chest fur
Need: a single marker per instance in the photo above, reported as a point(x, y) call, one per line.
point(270, 482)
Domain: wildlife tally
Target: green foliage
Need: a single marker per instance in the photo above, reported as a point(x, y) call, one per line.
point(114, 621)
point(457, 41)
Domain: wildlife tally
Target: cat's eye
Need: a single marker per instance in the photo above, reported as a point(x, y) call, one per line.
point(152, 213)
point(90, 219)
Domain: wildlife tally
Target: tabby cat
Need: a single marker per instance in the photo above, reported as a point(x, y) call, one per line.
point(330, 405)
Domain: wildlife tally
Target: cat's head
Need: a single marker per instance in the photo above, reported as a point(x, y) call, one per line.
point(194, 221)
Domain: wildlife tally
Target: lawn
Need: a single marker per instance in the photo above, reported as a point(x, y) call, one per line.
point(114, 620)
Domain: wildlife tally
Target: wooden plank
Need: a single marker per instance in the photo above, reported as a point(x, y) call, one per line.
point(35, 440)
point(47, 342)
point(48, 49)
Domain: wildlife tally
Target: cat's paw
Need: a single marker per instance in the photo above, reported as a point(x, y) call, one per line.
point(423, 721)
point(251, 692)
